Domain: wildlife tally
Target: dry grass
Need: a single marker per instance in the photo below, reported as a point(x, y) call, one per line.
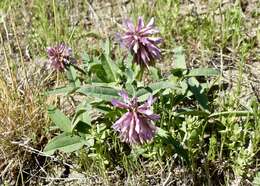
point(210, 34)
point(23, 119)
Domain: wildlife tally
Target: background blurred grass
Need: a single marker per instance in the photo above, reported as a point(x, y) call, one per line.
point(222, 34)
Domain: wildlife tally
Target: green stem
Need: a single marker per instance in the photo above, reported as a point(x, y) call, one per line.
point(79, 69)
point(55, 18)
point(140, 74)
point(239, 113)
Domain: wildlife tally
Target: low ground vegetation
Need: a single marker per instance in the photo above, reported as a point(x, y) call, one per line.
point(66, 73)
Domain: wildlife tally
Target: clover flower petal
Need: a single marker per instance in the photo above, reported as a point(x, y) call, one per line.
point(140, 43)
point(59, 56)
point(135, 126)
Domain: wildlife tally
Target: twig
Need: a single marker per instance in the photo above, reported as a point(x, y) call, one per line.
point(255, 92)
point(55, 179)
point(95, 16)
point(35, 151)
point(167, 179)
point(6, 168)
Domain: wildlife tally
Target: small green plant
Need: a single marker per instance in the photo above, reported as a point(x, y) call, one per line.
point(199, 128)
point(188, 124)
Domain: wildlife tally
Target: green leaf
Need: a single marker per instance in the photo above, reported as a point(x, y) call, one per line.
point(203, 72)
point(184, 87)
point(60, 119)
point(82, 127)
point(153, 88)
point(178, 72)
point(106, 48)
point(129, 60)
point(101, 92)
point(85, 58)
point(90, 142)
point(129, 75)
point(137, 151)
point(97, 69)
point(197, 90)
point(256, 181)
point(64, 142)
point(167, 139)
point(103, 108)
point(155, 73)
point(137, 70)
point(130, 89)
point(179, 57)
point(61, 90)
point(72, 76)
point(82, 116)
point(109, 68)
point(162, 133)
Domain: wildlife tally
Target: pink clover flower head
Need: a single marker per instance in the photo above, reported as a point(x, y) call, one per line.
point(59, 56)
point(138, 39)
point(135, 126)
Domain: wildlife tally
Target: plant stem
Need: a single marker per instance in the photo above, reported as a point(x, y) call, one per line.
point(238, 113)
point(55, 18)
point(79, 69)
point(140, 74)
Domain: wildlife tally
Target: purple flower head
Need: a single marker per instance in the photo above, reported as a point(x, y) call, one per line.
point(135, 126)
point(59, 56)
point(140, 43)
